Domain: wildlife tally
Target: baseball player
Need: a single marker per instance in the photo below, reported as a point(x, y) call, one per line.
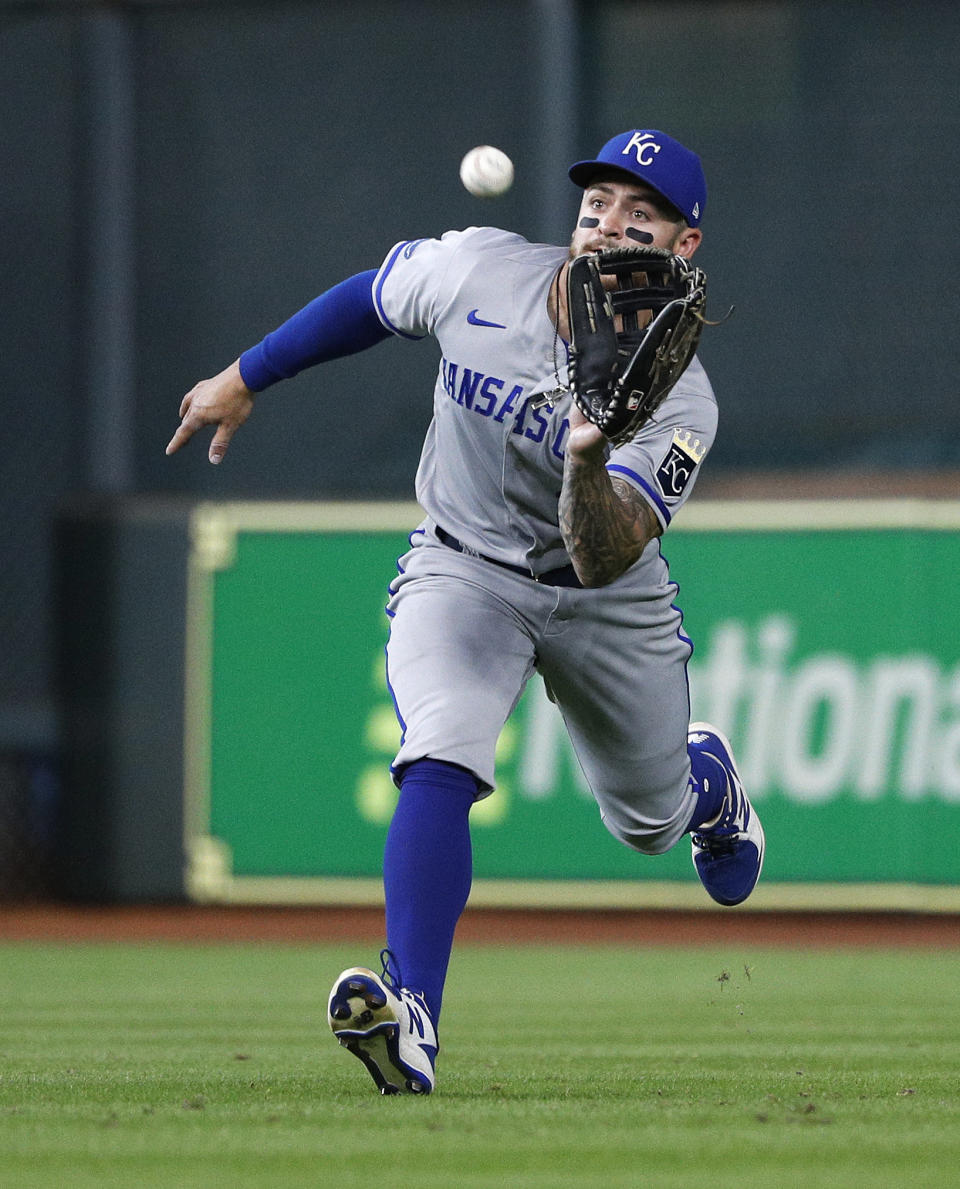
point(539, 552)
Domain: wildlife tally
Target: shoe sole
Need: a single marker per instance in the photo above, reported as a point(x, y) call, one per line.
point(705, 728)
point(372, 1033)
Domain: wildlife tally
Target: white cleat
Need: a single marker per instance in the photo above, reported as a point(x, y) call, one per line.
point(390, 1031)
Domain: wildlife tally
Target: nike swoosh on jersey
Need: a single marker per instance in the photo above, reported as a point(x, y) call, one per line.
point(475, 320)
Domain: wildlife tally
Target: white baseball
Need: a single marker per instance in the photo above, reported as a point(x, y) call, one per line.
point(486, 172)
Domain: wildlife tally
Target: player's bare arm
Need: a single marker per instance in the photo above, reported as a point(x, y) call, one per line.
point(606, 524)
point(224, 401)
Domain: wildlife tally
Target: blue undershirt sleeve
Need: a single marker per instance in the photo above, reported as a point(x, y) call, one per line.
point(340, 322)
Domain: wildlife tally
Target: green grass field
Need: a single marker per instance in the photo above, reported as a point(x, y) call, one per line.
point(162, 1065)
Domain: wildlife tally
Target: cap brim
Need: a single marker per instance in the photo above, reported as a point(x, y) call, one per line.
point(583, 171)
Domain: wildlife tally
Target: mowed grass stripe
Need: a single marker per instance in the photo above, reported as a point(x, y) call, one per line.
point(169, 1065)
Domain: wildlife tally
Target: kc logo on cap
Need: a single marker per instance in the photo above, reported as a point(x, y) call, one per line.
point(644, 146)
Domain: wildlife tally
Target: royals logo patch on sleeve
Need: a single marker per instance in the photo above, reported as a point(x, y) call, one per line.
point(679, 463)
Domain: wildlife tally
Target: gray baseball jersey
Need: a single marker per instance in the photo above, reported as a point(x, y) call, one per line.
point(466, 634)
point(492, 463)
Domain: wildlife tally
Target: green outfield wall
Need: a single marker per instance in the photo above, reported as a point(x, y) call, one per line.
point(827, 645)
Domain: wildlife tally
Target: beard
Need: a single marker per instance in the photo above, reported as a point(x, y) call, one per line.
point(582, 247)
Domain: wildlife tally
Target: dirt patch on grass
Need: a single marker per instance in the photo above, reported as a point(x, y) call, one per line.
point(79, 923)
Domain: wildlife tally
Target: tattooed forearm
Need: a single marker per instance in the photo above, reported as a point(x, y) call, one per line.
point(605, 523)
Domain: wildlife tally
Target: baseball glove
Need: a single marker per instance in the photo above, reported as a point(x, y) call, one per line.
point(631, 343)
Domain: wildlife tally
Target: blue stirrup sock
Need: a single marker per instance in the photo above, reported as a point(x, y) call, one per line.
point(427, 872)
point(710, 782)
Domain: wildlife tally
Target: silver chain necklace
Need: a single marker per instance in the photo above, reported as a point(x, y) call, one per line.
point(550, 398)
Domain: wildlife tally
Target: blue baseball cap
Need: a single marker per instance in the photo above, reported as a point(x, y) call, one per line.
point(657, 159)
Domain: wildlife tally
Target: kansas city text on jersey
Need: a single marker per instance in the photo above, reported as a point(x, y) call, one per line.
point(490, 396)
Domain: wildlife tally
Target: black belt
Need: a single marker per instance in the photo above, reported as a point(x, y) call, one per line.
point(562, 576)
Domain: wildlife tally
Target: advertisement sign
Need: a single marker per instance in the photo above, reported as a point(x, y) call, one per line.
point(827, 647)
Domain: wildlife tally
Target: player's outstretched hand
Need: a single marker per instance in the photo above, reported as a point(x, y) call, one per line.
point(224, 401)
